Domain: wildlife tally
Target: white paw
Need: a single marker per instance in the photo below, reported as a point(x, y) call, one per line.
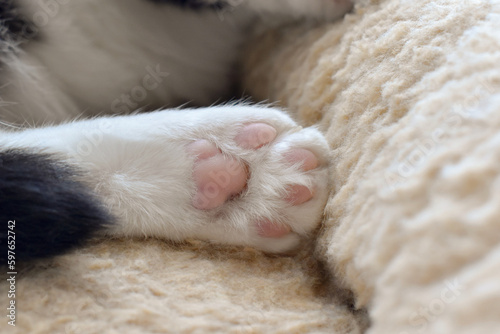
point(260, 179)
point(235, 175)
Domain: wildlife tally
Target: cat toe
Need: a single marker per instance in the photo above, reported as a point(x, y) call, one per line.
point(264, 183)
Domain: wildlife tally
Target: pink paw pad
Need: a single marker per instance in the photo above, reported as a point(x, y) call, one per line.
point(268, 229)
point(217, 177)
point(306, 158)
point(298, 194)
point(255, 136)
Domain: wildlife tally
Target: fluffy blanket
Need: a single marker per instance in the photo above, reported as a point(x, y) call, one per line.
point(408, 93)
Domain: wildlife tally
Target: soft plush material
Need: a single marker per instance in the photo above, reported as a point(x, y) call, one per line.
point(408, 93)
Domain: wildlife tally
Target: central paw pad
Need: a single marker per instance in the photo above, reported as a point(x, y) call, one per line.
point(217, 177)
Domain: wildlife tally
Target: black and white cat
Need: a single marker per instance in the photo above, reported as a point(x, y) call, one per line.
point(77, 158)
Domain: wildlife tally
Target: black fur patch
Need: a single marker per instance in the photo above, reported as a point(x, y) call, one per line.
point(13, 26)
point(52, 212)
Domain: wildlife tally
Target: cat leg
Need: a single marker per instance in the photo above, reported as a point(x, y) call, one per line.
point(236, 175)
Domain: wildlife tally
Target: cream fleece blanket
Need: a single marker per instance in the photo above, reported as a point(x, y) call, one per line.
point(408, 93)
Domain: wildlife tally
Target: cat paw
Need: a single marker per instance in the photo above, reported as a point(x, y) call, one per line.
point(259, 179)
point(237, 175)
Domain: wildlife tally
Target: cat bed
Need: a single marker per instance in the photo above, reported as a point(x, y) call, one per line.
point(408, 93)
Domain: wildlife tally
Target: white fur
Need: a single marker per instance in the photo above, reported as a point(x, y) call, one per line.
point(94, 56)
point(140, 168)
point(93, 52)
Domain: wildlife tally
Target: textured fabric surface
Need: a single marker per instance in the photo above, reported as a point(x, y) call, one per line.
point(408, 93)
point(149, 286)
